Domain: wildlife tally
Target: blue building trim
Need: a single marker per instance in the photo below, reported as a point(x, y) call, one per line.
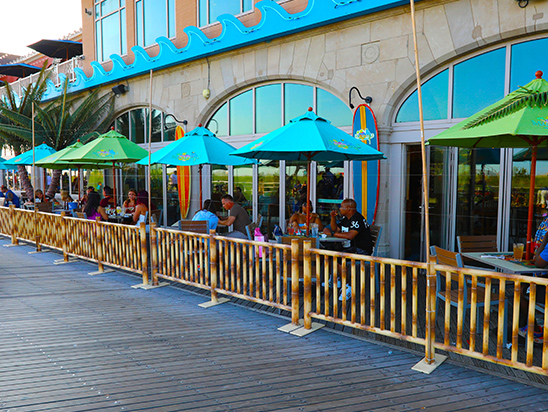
point(275, 22)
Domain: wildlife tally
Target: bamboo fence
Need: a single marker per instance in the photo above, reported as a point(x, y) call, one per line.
point(475, 312)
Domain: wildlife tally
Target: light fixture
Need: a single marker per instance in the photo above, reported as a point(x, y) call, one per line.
point(367, 99)
point(184, 122)
point(523, 3)
point(88, 12)
point(120, 89)
point(206, 93)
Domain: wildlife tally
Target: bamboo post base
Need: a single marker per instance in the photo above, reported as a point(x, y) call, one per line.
point(63, 261)
point(100, 272)
point(39, 251)
point(147, 286)
point(424, 367)
point(210, 303)
point(12, 245)
point(291, 326)
point(300, 332)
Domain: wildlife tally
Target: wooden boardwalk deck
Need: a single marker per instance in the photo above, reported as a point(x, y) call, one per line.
point(73, 342)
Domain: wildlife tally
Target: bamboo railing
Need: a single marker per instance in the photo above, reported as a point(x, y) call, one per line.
point(476, 312)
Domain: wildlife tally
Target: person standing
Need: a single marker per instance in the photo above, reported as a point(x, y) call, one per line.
point(238, 217)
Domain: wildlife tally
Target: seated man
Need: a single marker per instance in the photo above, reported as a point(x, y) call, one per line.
point(354, 228)
point(238, 217)
point(11, 198)
point(108, 200)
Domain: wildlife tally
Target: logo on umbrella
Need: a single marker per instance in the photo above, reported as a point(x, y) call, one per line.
point(365, 136)
point(105, 153)
point(185, 157)
point(541, 121)
point(256, 145)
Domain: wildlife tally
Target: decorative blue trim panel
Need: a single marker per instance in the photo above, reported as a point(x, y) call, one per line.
point(275, 22)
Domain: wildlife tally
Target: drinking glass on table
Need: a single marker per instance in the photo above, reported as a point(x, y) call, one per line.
point(518, 251)
point(314, 229)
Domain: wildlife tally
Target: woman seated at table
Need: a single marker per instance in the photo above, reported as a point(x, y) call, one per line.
point(93, 210)
point(208, 213)
point(141, 208)
point(131, 201)
point(298, 220)
point(39, 198)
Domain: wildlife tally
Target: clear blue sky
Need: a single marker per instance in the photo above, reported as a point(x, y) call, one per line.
point(26, 21)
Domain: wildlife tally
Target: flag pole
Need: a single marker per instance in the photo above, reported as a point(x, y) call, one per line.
point(429, 363)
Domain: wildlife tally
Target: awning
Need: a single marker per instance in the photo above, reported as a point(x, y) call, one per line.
point(61, 49)
point(18, 69)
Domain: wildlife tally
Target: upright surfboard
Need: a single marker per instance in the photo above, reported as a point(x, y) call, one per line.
point(366, 174)
point(183, 180)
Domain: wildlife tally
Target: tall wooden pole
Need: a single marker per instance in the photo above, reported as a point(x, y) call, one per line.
point(34, 184)
point(149, 150)
point(430, 276)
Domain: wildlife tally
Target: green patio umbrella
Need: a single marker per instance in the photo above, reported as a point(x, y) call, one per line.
point(111, 147)
point(197, 148)
point(309, 137)
point(57, 161)
point(518, 120)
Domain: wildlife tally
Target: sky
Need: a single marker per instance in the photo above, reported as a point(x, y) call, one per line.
point(26, 21)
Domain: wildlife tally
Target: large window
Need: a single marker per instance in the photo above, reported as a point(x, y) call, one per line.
point(110, 28)
point(154, 18)
point(472, 84)
point(209, 10)
point(265, 108)
point(135, 123)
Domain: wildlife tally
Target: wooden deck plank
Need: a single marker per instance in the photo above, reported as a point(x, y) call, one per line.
point(73, 342)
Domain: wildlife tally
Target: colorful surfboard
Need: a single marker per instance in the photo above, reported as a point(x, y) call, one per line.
point(183, 180)
point(366, 174)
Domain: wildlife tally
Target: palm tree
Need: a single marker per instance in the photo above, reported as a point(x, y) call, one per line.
point(23, 105)
point(61, 123)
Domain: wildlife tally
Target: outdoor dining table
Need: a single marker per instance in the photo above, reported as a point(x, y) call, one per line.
point(501, 262)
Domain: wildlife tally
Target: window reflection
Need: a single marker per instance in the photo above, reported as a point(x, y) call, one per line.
point(218, 7)
point(243, 187)
point(269, 194)
point(329, 189)
point(173, 212)
point(298, 98)
point(478, 82)
point(110, 28)
point(523, 67)
point(268, 108)
point(170, 125)
point(154, 18)
point(332, 108)
point(137, 129)
point(156, 190)
point(295, 187)
point(156, 126)
point(219, 185)
point(435, 98)
point(241, 114)
point(477, 191)
point(218, 124)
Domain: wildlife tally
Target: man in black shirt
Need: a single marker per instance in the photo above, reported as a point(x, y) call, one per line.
point(353, 227)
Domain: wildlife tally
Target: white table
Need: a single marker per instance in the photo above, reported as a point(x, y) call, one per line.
point(502, 265)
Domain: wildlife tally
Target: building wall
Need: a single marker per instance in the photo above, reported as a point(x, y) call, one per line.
point(374, 53)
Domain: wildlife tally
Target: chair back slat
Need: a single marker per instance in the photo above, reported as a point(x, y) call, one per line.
point(469, 244)
point(375, 237)
point(446, 257)
point(196, 226)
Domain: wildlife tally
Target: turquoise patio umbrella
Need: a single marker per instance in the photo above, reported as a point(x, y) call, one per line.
point(198, 147)
point(309, 137)
point(4, 167)
point(25, 159)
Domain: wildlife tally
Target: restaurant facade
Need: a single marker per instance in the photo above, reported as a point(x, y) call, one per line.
point(257, 66)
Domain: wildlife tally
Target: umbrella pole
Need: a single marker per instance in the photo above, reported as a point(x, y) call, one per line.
point(308, 198)
point(528, 248)
point(114, 180)
point(79, 184)
point(33, 186)
point(200, 172)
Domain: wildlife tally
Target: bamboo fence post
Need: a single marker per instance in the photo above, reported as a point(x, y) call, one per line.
point(213, 265)
point(14, 240)
point(144, 254)
point(63, 235)
point(307, 264)
point(99, 232)
point(36, 235)
point(153, 254)
point(294, 281)
point(430, 312)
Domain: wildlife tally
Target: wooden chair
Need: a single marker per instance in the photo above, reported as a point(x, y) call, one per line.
point(376, 232)
point(448, 258)
point(250, 229)
point(196, 226)
point(156, 216)
point(471, 244)
point(46, 207)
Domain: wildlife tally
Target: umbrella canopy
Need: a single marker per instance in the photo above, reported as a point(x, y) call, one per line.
point(527, 154)
point(57, 160)
point(61, 49)
point(4, 167)
point(111, 147)
point(198, 147)
point(25, 159)
point(517, 120)
point(309, 137)
point(18, 69)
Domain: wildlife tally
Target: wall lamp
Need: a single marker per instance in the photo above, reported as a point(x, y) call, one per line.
point(184, 122)
point(367, 99)
point(120, 89)
point(523, 3)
